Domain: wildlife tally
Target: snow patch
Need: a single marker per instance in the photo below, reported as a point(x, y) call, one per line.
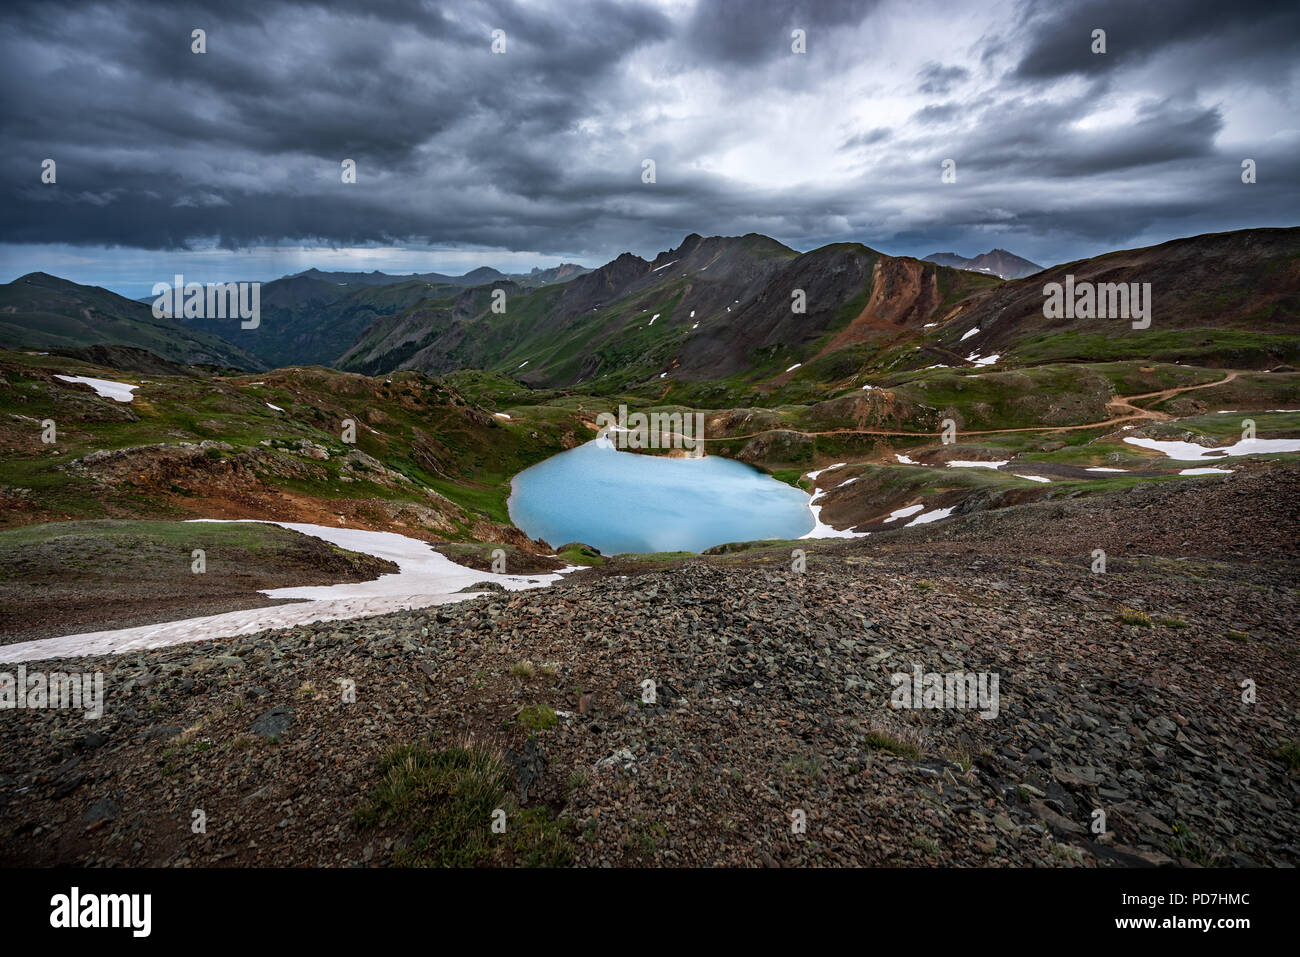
point(822, 530)
point(813, 475)
point(970, 332)
point(424, 577)
point(932, 516)
point(118, 391)
point(1190, 452)
point(905, 512)
point(819, 528)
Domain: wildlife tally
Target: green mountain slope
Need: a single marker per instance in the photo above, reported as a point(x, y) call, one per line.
point(709, 309)
point(1231, 299)
point(308, 321)
point(40, 311)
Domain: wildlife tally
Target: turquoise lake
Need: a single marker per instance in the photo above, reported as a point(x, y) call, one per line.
point(624, 502)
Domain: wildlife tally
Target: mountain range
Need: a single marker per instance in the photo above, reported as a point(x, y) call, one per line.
point(739, 315)
point(475, 277)
point(995, 262)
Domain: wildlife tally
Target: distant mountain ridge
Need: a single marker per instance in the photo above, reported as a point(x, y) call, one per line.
point(475, 277)
point(723, 317)
point(995, 262)
point(315, 316)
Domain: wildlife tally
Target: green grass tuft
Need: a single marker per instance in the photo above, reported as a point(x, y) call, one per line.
point(446, 799)
point(538, 717)
point(880, 741)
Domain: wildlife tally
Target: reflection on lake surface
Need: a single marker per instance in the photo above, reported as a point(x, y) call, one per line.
point(624, 502)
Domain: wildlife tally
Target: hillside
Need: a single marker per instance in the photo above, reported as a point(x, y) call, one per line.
point(309, 321)
point(315, 317)
point(197, 445)
point(40, 311)
point(888, 351)
point(973, 550)
point(1230, 299)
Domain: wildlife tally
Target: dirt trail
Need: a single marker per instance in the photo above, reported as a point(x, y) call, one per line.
point(1116, 404)
point(1125, 402)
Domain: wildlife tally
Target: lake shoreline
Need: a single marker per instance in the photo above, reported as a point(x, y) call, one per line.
point(668, 504)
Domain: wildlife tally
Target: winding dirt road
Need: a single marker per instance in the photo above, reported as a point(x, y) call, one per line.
point(1117, 404)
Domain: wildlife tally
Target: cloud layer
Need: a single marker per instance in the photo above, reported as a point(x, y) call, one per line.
point(1060, 152)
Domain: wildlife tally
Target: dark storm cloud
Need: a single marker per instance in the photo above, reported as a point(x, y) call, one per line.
point(1019, 141)
point(540, 149)
point(310, 80)
point(748, 32)
point(289, 89)
point(938, 79)
point(1061, 43)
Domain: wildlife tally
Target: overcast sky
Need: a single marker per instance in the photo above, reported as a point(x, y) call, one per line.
point(226, 165)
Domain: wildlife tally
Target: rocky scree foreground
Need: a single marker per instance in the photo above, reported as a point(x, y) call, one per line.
point(772, 695)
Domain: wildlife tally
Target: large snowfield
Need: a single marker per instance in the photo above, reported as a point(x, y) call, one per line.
point(425, 577)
